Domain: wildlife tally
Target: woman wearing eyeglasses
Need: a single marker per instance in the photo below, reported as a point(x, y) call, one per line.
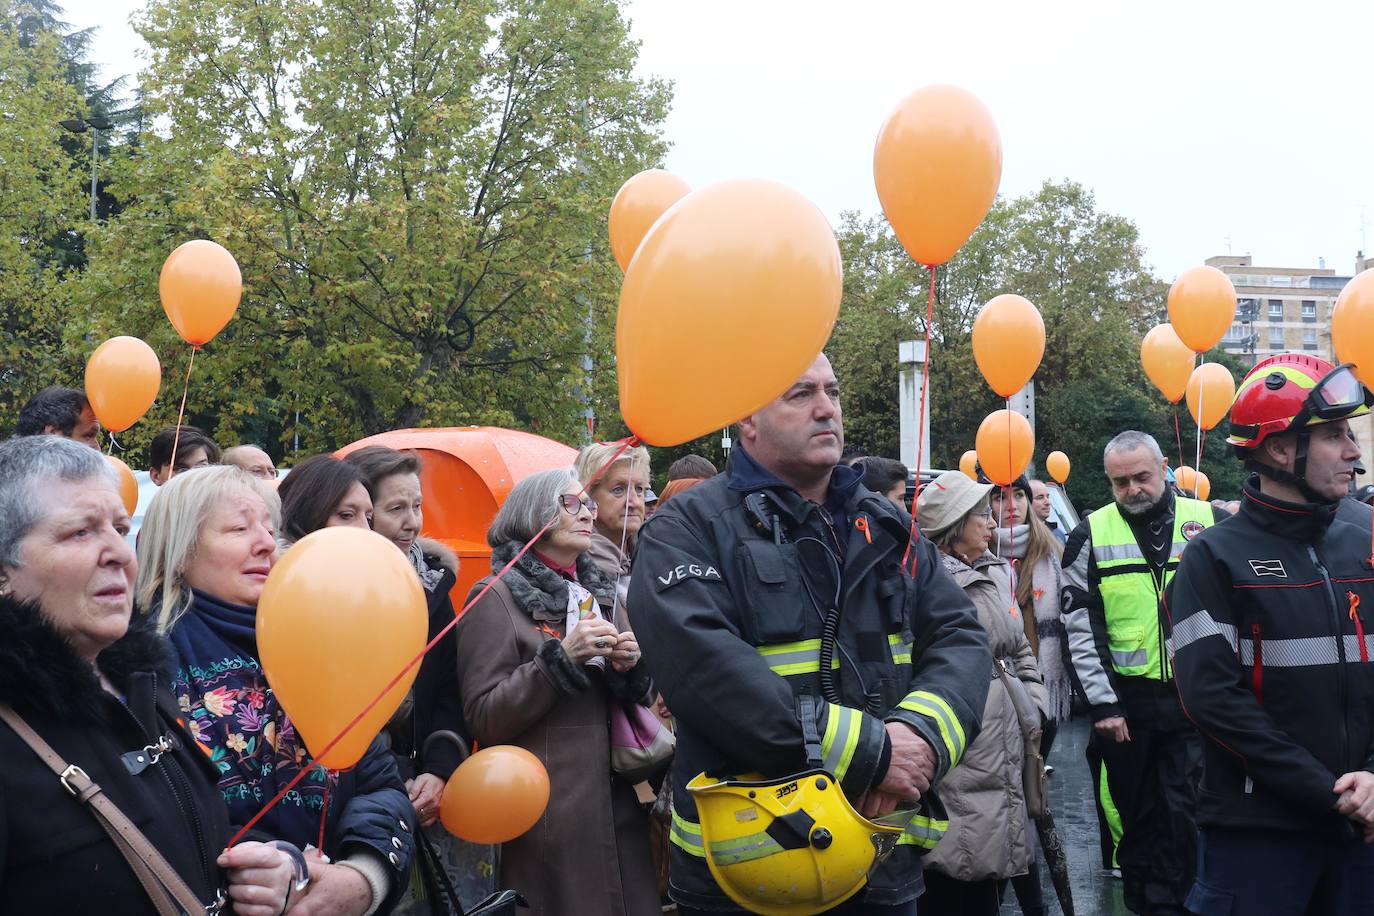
point(988, 839)
point(539, 662)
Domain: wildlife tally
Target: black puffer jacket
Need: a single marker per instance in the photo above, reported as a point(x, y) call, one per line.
point(1272, 629)
point(54, 855)
point(730, 619)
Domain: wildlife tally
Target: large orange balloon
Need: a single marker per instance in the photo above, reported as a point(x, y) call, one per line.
point(341, 614)
point(937, 165)
point(1167, 361)
point(122, 380)
point(755, 263)
point(495, 795)
point(1005, 444)
point(128, 485)
point(1057, 463)
point(968, 463)
point(1202, 305)
point(200, 288)
point(1352, 326)
point(637, 206)
point(1210, 390)
point(1008, 342)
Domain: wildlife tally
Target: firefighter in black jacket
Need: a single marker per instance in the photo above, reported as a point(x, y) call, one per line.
point(1269, 617)
point(749, 586)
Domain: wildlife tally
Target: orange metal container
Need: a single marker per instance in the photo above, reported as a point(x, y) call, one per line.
point(465, 474)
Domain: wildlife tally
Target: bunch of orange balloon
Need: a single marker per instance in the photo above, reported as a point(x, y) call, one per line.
point(1008, 344)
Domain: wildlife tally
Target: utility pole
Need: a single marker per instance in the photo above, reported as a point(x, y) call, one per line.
point(96, 123)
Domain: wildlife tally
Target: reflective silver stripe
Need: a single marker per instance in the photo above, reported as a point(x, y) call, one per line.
point(1117, 552)
point(841, 738)
point(1304, 651)
point(1130, 659)
point(1199, 626)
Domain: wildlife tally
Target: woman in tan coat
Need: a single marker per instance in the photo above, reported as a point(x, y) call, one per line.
point(988, 839)
point(540, 666)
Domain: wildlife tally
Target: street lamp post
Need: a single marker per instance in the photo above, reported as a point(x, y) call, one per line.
point(96, 123)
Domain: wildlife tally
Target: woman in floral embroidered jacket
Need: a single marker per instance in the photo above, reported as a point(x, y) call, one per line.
point(206, 547)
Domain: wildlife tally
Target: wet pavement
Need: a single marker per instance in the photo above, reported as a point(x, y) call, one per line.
point(1071, 801)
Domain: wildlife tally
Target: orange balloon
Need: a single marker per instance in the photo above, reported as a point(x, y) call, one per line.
point(341, 614)
point(495, 795)
point(1005, 444)
point(128, 485)
point(1008, 343)
point(1352, 326)
point(937, 165)
point(122, 380)
point(637, 206)
point(1202, 305)
point(1057, 463)
point(200, 288)
point(1210, 391)
point(1167, 361)
point(968, 463)
point(1193, 483)
point(750, 259)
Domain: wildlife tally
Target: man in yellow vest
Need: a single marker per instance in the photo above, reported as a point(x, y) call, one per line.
point(1116, 565)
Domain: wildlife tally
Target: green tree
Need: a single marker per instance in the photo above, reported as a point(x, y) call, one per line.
point(40, 198)
point(415, 192)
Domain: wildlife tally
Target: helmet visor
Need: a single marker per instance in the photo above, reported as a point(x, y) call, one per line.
point(1336, 395)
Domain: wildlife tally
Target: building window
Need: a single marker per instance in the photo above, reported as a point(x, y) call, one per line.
point(1309, 310)
point(1275, 308)
point(1276, 338)
point(1309, 338)
point(1236, 335)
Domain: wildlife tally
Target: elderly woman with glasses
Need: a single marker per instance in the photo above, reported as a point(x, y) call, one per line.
point(541, 665)
point(988, 840)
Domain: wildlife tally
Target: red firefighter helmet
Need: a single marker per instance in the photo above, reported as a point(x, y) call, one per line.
point(1293, 390)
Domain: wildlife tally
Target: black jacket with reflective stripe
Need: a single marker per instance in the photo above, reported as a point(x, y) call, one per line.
point(724, 614)
point(1272, 628)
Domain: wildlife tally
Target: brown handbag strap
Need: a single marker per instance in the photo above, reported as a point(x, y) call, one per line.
point(168, 892)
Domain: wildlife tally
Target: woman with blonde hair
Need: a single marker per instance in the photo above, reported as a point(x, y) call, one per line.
point(619, 496)
point(206, 548)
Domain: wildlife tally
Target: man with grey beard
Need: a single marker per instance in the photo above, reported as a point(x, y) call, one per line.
point(1116, 565)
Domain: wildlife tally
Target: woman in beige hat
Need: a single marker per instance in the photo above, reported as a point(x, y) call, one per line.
point(988, 840)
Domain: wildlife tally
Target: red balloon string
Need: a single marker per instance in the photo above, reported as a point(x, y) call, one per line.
point(324, 809)
point(911, 552)
point(185, 390)
point(626, 443)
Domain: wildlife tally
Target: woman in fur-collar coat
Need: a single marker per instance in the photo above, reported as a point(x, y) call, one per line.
point(531, 680)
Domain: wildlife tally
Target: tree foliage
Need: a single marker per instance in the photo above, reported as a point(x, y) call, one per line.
point(416, 195)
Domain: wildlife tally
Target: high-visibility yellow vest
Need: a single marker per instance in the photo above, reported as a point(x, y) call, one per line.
point(1131, 590)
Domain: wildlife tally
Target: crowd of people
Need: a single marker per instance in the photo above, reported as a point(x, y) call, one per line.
point(861, 716)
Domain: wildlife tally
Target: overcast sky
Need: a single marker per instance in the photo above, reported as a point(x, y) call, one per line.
point(1215, 127)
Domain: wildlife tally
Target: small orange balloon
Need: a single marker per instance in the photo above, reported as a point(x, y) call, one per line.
point(1005, 444)
point(1202, 305)
point(758, 264)
point(1203, 486)
point(495, 795)
point(1008, 343)
point(200, 288)
point(1185, 477)
point(1210, 392)
point(968, 463)
point(637, 206)
point(937, 165)
point(341, 614)
point(122, 380)
point(128, 485)
point(1167, 361)
point(1057, 463)
point(1352, 326)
